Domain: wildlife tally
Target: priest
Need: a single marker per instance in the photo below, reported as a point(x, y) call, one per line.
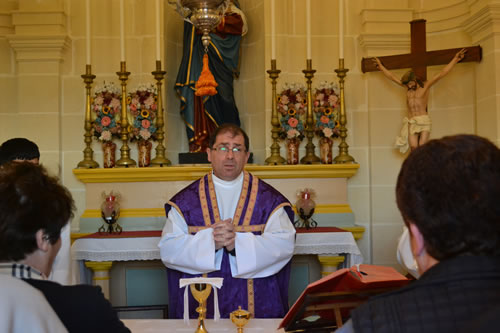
point(232, 225)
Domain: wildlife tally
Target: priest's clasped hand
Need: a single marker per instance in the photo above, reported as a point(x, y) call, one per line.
point(224, 234)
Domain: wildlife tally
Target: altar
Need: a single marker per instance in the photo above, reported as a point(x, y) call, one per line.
point(178, 325)
point(144, 192)
point(335, 248)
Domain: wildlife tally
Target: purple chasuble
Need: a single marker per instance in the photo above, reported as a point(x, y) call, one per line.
point(264, 297)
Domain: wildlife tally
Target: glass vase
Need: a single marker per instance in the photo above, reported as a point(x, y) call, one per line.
point(292, 151)
point(325, 148)
point(108, 154)
point(144, 149)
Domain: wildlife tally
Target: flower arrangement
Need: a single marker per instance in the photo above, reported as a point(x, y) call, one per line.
point(106, 105)
point(292, 105)
point(326, 108)
point(143, 105)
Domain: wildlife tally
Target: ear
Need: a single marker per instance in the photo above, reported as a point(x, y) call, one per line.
point(209, 154)
point(416, 240)
point(42, 241)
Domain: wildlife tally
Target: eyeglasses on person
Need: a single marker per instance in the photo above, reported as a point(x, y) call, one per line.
point(225, 150)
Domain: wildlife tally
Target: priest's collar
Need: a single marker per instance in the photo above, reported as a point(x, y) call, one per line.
point(237, 180)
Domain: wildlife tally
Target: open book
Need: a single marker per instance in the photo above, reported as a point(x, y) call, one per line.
point(325, 304)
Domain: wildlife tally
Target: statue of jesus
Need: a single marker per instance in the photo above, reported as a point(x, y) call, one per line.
point(417, 126)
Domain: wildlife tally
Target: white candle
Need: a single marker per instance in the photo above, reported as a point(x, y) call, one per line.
point(158, 53)
point(308, 28)
point(87, 30)
point(341, 29)
point(273, 30)
point(122, 31)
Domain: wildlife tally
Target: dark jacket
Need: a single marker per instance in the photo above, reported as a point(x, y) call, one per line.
point(81, 308)
point(446, 298)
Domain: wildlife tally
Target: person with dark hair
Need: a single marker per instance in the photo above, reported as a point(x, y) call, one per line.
point(230, 224)
point(34, 208)
point(24, 150)
point(447, 192)
point(417, 126)
point(19, 149)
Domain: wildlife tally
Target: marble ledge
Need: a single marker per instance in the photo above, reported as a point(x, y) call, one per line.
point(193, 172)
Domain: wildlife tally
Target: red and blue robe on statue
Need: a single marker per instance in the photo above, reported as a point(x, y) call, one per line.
point(264, 297)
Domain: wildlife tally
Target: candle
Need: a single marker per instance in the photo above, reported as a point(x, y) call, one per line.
point(87, 30)
point(341, 29)
point(122, 31)
point(273, 30)
point(158, 53)
point(308, 28)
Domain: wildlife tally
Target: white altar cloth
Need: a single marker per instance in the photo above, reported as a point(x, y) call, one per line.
point(178, 325)
point(146, 248)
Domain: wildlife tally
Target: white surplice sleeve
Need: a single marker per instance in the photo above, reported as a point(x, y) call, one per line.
point(192, 254)
point(264, 255)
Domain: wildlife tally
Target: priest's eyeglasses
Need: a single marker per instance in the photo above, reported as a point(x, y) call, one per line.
point(224, 150)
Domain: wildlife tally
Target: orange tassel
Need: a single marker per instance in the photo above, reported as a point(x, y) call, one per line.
point(205, 86)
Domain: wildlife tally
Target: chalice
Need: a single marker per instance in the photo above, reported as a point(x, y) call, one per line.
point(200, 292)
point(240, 318)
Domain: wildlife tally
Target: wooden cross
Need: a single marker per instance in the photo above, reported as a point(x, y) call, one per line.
point(420, 58)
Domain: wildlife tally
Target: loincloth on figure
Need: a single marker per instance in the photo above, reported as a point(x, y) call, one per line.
point(416, 125)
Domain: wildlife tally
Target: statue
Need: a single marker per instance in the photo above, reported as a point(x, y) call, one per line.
point(417, 126)
point(202, 114)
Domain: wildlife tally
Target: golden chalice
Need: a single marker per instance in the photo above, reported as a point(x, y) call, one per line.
point(240, 318)
point(200, 292)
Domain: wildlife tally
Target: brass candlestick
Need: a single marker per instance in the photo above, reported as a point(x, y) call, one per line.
point(240, 318)
point(160, 159)
point(343, 156)
point(200, 292)
point(275, 157)
point(125, 160)
point(310, 157)
point(88, 154)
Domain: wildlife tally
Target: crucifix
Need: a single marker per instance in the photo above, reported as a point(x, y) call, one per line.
point(420, 58)
point(417, 125)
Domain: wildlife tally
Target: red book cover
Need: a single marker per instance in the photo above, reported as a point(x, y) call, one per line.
point(330, 299)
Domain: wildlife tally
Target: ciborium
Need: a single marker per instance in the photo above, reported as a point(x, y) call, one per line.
point(203, 14)
point(240, 318)
point(200, 292)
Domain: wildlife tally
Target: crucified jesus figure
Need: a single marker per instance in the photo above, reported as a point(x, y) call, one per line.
point(417, 126)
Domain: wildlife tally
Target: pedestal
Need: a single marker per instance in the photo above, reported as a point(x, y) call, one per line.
point(100, 270)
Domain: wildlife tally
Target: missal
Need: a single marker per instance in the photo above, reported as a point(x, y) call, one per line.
point(326, 304)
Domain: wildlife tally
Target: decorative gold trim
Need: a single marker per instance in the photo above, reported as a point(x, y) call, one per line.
point(284, 204)
point(330, 209)
point(160, 212)
point(237, 228)
point(99, 266)
point(252, 200)
point(251, 299)
point(193, 172)
point(357, 231)
point(241, 200)
point(204, 203)
point(213, 199)
point(134, 212)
